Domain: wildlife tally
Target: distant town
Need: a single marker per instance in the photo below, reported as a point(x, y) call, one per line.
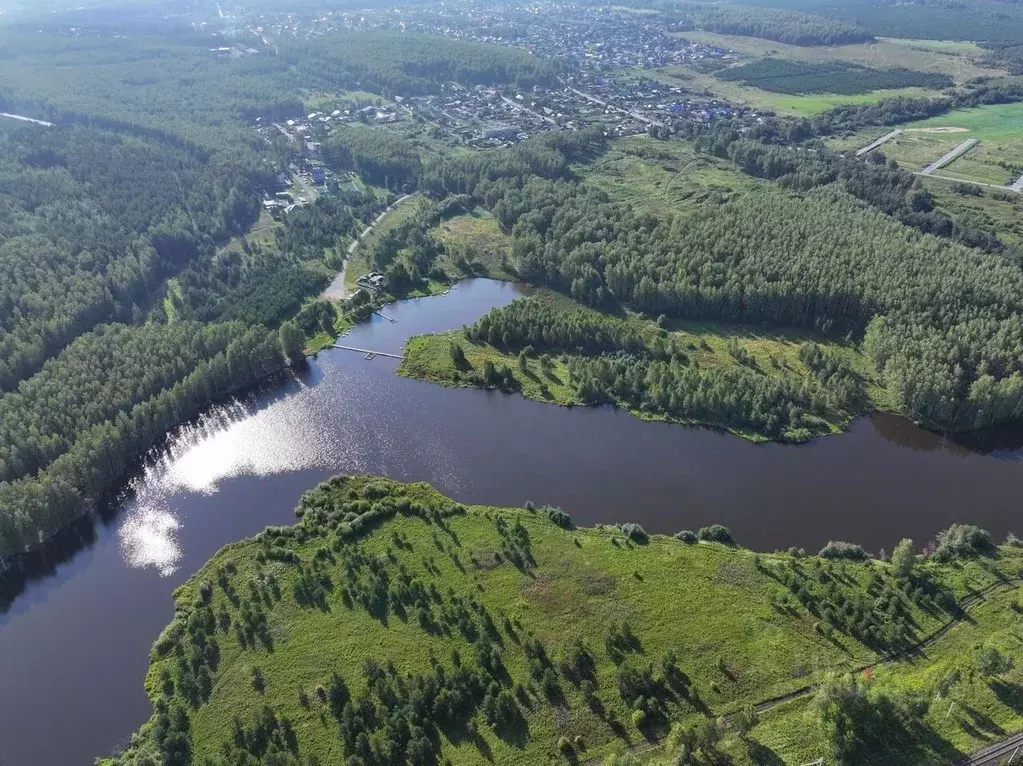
point(611, 58)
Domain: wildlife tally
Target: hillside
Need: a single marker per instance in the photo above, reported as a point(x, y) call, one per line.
point(392, 624)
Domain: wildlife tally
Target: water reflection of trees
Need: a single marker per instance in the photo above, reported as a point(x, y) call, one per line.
point(1001, 441)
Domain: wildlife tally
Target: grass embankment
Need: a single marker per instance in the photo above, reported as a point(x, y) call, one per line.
point(541, 643)
point(709, 346)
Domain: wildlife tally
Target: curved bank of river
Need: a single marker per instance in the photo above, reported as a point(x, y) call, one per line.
point(74, 646)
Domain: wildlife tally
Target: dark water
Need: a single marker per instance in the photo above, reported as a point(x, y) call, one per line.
point(74, 645)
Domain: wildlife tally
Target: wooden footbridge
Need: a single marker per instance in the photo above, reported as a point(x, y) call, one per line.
point(370, 353)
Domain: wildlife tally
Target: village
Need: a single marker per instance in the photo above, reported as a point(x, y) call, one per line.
point(611, 60)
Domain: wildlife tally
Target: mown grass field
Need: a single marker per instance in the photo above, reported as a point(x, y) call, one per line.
point(716, 625)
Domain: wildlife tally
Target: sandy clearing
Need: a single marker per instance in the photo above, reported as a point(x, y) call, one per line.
point(938, 130)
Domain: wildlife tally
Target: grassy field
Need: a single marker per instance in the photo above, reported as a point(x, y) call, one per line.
point(708, 345)
point(1000, 215)
point(663, 176)
point(962, 709)
point(561, 644)
point(998, 159)
point(960, 60)
point(475, 246)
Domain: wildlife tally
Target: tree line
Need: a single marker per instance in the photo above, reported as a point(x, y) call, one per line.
point(942, 320)
point(783, 26)
point(407, 64)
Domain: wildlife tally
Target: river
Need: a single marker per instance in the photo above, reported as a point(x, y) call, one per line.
point(74, 644)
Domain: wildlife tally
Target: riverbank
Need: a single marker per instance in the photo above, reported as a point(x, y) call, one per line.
point(552, 642)
point(829, 383)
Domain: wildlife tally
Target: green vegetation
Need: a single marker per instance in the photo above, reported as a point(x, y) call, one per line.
point(407, 64)
point(392, 625)
point(998, 127)
point(137, 220)
point(758, 385)
point(961, 61)
point(797, 77)
point(782, 26)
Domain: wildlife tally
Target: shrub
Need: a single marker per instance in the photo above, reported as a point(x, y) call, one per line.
point(716, 533)
point(559, 517)
point(839, 550)
point(963, 541)
point(638, 718)
point(687, 536)
point(635, 532)
point(565, 746)
point(1012, 541)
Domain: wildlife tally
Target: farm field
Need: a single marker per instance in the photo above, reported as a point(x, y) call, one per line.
point(782, 103)
point(960, 61)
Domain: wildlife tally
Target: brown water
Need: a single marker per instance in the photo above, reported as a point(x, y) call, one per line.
point(74, 644)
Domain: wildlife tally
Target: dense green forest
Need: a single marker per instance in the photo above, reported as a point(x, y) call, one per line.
point(941, 320)
point(784, 76)
point(393, 63)
point(91, 222)
point(168, 86)
point(69, 433)
point(130, 294)
point(392, 625)
point(782, 26)
point(378, 156)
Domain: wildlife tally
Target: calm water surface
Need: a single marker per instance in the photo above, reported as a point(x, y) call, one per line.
point(74, 645)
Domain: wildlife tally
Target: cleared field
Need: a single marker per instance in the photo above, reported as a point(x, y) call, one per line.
point(915, 151)
point(998, 159)
point(781, 103)
point(958, 60)
point(475, 245)
point(1000, 214)
point(663, 176)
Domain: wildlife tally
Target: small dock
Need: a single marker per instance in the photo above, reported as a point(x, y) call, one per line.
point(369, 353)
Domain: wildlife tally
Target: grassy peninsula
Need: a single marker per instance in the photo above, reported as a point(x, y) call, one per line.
point(759, 384)
point(392, 625)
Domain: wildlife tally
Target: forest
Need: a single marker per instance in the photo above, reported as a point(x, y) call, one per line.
point(645, 368)
point(392, 63)
point(274, 654)
point(785, 76)
point(119, 297)
point(941, 320)
point(782, 26)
